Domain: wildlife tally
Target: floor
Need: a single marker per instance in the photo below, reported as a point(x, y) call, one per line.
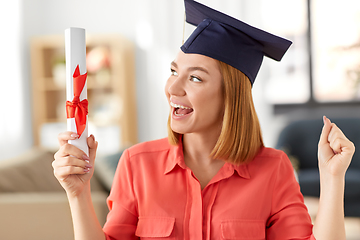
point(352, 225)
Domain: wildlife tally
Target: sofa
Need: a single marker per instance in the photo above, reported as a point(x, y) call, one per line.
point(299, 140)
point(34, 206)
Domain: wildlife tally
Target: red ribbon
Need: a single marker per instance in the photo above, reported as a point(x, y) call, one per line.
point(78, 109)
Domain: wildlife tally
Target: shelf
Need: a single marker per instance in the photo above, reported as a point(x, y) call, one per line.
point(90, 119)
point(109, 87)
point(92, 84)
point(56, 120)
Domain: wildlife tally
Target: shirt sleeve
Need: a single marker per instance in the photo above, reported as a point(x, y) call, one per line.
point(289, 216)
point(123, 215)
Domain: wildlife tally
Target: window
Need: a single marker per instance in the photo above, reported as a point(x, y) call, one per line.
point(323, 64)
point(335, 27)
point(288, 82)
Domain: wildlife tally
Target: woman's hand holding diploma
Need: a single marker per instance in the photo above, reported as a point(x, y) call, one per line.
point(72, 167)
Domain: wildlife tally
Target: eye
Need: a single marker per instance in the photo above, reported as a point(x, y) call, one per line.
point(195, 79)
point(173, 72)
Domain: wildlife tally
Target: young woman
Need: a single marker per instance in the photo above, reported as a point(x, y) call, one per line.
point(212, 178)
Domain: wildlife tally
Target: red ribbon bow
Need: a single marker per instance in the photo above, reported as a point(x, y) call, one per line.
point(78, 109)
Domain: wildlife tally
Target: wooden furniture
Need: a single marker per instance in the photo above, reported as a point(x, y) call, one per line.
point(111, 90)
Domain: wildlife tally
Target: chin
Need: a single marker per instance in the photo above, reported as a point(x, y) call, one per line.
point(178, 129)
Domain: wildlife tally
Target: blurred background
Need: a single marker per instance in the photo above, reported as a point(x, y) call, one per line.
point(319, 74)
point(130, 45)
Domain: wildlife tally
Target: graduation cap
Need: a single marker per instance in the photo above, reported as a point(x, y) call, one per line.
point(230, 40)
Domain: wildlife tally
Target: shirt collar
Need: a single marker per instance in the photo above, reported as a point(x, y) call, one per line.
point(176, 157)
point(242, 170)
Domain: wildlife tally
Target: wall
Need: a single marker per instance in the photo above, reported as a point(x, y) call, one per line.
point(15, 126)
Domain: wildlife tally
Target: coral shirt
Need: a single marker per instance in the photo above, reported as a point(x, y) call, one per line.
point(156, 196)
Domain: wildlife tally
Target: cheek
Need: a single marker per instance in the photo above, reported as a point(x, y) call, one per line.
point(211, 103)
point(217, 103)
point(166, 89)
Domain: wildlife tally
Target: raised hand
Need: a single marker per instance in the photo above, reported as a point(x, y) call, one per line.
point(72, 167)
point(335, 151)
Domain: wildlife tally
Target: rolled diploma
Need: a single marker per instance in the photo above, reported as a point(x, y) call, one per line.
point(75, 54)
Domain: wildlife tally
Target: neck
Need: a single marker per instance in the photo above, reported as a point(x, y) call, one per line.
point(197, 147)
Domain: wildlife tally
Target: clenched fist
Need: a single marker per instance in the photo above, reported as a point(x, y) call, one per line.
point(335, 151)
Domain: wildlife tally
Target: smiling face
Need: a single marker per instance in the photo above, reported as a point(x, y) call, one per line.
point(194, 92)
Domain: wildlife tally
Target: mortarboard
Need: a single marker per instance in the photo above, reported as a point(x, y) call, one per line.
point(230, 40)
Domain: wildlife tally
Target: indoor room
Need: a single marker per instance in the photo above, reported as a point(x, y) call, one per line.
point(131, 47)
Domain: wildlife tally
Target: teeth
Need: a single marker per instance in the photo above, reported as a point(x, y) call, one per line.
point(178, 114)
point(178, 106)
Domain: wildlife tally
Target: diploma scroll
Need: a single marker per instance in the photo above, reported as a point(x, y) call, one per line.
point(76, 87)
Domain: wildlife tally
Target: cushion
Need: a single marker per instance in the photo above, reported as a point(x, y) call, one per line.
point(32, 172)
point(105, 167)
point(309, 181)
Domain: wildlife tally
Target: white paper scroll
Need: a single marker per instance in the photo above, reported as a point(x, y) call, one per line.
point(75, 53)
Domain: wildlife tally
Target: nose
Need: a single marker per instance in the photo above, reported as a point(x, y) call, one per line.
point(175, 86)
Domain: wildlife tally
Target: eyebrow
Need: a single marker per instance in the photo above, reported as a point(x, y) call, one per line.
point(191, 68)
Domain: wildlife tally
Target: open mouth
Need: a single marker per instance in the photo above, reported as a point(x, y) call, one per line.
point(180, 110)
